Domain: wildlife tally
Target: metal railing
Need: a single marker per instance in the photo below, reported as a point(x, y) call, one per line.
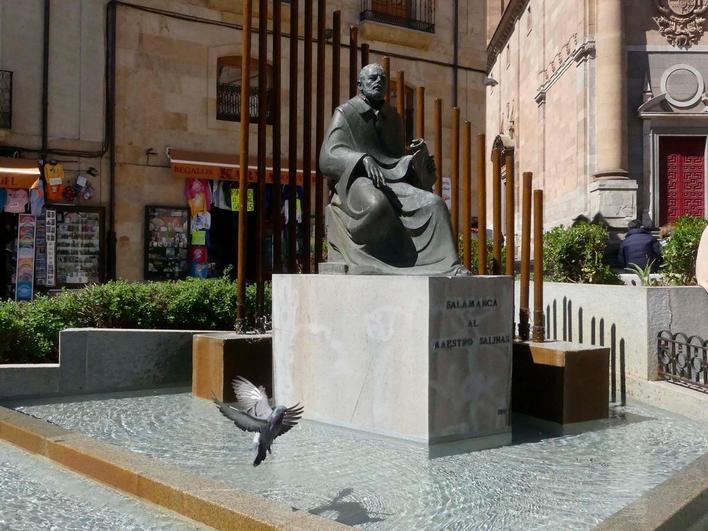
point(414, 14)
point(228, 103)
point(5, 99)
point(683, 360)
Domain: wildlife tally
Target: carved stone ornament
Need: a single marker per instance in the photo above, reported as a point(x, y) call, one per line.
point(681, 21)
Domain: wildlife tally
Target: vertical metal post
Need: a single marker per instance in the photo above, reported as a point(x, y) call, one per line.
point(353, 72)
point(401, 101)
point(386, 63)
point(455, 173)
point(292, 140)
point(307, 141)
point(319, 130)
point(524, 330)
point(261, 154)
point(243, 166)
point(276, 214)
point(466, 194)
point(420, 112)
point(336, 57)
point(437, 121)
point(509, 213)
point(481, 205)
point(538, 317)
point(496, 211)
point(364, 54)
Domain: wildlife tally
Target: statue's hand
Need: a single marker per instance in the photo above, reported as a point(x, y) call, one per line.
point(373, 171)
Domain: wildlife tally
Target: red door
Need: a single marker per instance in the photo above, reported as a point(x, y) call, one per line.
point(681, 177)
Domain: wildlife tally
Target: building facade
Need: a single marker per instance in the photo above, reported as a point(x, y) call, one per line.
point(604, 101)
point(142, 92)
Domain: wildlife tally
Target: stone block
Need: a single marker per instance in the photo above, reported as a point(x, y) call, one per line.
point(421, 358)
point(561, 382)
point(218, 358)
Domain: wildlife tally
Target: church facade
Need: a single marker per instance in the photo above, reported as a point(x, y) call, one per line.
point(605, 102)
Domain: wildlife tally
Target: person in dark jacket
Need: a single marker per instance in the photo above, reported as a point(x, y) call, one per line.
point(639, 247)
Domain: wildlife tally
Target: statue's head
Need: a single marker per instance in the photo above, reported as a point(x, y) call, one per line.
point(372, 82)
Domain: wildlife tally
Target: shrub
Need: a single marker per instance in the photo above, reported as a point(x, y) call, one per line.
point(679, 253)
point(29, 332)
point(474, 254)
point(574, 254)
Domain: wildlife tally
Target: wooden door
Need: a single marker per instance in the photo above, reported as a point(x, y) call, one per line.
point(681, 177)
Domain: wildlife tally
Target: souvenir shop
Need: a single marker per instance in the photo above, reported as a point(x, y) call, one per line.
point(48, 239)
point(200, 238)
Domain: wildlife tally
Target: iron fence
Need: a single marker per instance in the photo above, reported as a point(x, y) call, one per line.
point(414, 14)
point(683, 359)
point(228, 103)
point(5, 99)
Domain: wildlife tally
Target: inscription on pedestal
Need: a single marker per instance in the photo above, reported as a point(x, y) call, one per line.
point(470, 352)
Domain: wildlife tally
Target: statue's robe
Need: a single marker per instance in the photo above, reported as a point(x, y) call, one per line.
point(400, 228)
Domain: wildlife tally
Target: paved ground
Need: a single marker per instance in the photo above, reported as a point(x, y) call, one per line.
point(38, 495)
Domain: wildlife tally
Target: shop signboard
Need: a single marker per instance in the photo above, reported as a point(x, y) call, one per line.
point(24, 283)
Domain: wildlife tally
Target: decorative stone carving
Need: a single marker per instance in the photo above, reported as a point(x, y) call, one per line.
point(681, 21)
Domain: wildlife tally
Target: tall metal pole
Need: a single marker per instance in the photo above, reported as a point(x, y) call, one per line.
point(336, 57)
point(292, 141)
point(455, 173)
point(319, 129)
point(524, 331)
point(386, 63)
point(307, 141)
point(243, 166)
point(437, 121)
point(467, 194)
point(420, 112)
point(509, 213)
point(481, 205)
point(364, 54)
point(496, 211)
point(262, 113)
point(276, 214)
point(538, 316)
point(353, 72)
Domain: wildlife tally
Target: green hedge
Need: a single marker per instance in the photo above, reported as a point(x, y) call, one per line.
point(574, 254)
point(29, 332)
point(680, 252)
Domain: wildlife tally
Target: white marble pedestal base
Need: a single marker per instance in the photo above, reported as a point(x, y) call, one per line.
point(421, 358)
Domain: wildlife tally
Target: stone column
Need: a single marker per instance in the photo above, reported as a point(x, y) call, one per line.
point(612, 193)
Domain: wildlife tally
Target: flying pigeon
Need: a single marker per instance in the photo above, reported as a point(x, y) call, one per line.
point(258, 416)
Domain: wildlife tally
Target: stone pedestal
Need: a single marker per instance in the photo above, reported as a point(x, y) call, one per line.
point(561, 382)
point(615, 200)
point(421, 358)
point(218, 358)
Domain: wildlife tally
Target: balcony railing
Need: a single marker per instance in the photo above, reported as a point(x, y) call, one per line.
point(5, 99)
point(683, 360)
point(228, 103)
point(414, 14)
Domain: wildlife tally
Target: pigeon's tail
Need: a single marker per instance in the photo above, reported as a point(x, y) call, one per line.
point(260, 456)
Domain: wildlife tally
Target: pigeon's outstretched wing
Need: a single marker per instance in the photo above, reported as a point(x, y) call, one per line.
point(253, 399)
point(242, 419)
point(291, 416)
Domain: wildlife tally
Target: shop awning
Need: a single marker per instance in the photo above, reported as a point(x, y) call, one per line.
point(219, 166)
point(18, 173)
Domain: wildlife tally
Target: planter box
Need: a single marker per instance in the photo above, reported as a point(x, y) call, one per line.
point(98, 360)
point(627, 319)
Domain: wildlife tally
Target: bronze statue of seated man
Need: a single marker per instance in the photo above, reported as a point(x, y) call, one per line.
point(383, 217)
